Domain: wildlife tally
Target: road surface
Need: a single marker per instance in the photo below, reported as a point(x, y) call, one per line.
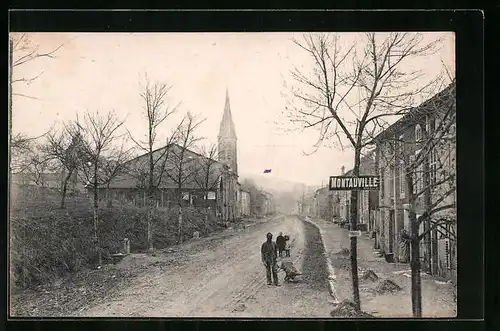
point(226, 280)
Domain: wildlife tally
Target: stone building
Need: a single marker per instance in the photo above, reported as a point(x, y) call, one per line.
point(228, 155)
point(367, 200)
point(323, 203)
point(401, 144)
point(222, 192)
point(245, 203)
point(268, 206)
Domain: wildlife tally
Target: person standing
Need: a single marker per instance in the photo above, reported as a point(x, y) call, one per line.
point(404, 245)
point(280, 242)
point(269, 257)
point(287, 246)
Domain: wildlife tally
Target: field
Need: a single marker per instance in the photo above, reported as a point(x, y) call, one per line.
point(47, 242)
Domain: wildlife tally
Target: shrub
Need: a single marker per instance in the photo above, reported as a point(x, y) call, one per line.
point(48, 242)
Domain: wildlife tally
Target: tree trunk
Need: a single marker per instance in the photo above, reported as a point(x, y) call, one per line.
point(179, 215)
point(428, 258)
point(65, 188)
point(434, 250)
point(150, 188)
point(96, 224)
point(167, 219)
point(108, 196)
point(150, 229)
point(354, 240)
point(179, 225)
point(416, 286)
point(207, 209)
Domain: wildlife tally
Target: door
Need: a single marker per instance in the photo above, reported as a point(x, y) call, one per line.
point(391, 230)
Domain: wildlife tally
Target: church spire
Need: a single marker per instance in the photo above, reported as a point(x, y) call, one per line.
point(228, 150)
point(227, 129)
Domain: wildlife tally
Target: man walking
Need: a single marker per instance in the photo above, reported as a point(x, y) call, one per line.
point(269, 256)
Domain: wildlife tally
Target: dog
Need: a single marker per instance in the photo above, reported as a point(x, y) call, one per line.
point(290, 271)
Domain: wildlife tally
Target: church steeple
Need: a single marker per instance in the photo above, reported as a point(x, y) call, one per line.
point(227, 138)
point(227, 125)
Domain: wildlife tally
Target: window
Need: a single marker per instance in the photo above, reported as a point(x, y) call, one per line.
point(401, 148)
point(437, 121)
point(430, 125)
point(402, 181)
point(417, 177)
point(418, 133)
point(433, 167)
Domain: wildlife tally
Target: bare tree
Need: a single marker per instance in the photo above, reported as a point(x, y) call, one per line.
point(66, 147)
point(157, 111)
point(114, 165)
point(207, 175)
point(24, 51)
point(182, 167)
point(427, 169)
point(98, 132)
point(348, 98)
point(39, 165)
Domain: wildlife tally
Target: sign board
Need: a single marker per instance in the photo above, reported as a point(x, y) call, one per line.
point(185, 196)
point(211, 196)
point(354, 233)
point(359, 183)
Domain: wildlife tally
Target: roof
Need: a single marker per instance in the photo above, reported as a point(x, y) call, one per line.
point(416, 113)
point(138, 169)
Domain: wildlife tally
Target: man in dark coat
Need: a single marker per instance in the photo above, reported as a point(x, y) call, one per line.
point(280, 242)
point(269, 257)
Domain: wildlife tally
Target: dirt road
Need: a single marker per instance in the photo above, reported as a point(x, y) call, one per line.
point(227, 280)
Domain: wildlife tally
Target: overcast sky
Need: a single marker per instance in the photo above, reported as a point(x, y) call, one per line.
point(103, 71)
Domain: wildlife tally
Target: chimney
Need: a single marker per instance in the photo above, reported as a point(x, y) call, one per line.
point(342, 170)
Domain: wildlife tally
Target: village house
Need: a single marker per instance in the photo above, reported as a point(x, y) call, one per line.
point(205, 182)
point(367, 199)
point(245, 203)
point(323, 203)
point(400, 144)
point(267, 203)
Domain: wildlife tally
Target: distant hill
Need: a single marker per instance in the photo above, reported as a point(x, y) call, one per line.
point(278, 186)
point(286, 193)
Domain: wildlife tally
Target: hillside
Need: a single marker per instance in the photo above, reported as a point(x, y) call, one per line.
point(278, 186)
point(286, 193)
point(48, 242)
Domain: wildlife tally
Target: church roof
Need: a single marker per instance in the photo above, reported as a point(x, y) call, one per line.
point(194, 167)
point(227, 125)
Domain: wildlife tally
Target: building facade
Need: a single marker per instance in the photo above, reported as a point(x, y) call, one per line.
point(323, 203)
point(223, 195)
point(367, 200)
point(228, 155)
point(245, 203)
point(399, 146)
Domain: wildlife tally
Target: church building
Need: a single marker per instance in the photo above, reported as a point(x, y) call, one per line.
point(228, 155)
point(223, 194)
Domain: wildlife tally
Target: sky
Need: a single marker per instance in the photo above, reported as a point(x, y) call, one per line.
point(104, 72)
